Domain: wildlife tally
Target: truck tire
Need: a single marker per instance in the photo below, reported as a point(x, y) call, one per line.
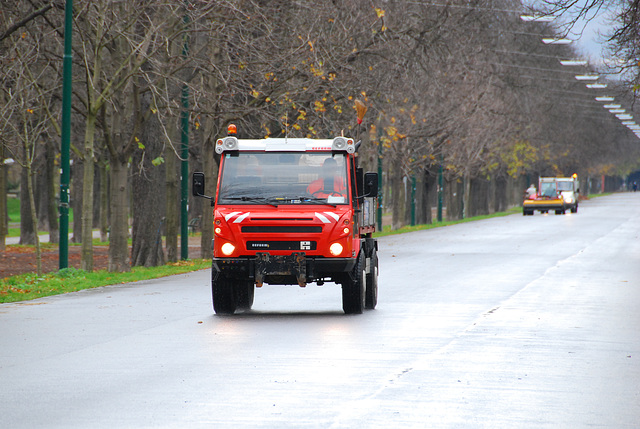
point(225, 299)
point(371, 294)
point(353, 290)
point(246, 293)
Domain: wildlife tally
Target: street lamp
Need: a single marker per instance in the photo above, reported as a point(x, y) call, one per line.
point(556, 41)
point(612, 106)
point(605, 98)
point(596, 85)
point(573, 62)
point(65, 137)
point(587, 77)
point(537, 18)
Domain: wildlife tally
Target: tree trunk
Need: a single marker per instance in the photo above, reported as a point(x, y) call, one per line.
point(172, 213)
point(34, 217)
point(27, 227)
point(397, 191)
point(453, 199)
point(76, 199)
point(148, 201)
point(52, 206)
point(466, 195)
point(430, 195)
point(87, 194)
point(407, 185)
point(118, 238)
point(500, 194)
point(40, 183)
point(104, 201)
point(4, 221)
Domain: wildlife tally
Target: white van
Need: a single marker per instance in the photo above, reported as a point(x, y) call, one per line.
point(569, 187)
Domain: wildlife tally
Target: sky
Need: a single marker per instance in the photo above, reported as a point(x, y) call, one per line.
point(592, 41)
point(589, 34)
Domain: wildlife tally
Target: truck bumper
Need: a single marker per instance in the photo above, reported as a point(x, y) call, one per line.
point(543, 205)
point(296, 268)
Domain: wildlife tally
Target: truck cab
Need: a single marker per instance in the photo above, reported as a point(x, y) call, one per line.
point(569, 188)
point(292, 211)
point(554, 193)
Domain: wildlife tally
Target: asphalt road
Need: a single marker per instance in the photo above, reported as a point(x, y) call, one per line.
point(503, 323)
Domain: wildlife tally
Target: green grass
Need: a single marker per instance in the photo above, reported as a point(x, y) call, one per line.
point(387, 229)
point(599, 195)
point(30, 286)
point(13, 208)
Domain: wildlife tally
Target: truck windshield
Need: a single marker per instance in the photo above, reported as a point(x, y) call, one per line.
point(548, 189)
point(565, 185)
point(283, 178)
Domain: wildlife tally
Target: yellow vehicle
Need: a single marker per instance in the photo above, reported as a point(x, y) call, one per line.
point(554, 193)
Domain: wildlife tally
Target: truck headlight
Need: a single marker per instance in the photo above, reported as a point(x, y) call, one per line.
point(336, 249)
point(228, 249)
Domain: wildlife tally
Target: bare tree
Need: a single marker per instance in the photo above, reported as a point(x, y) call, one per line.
point(29, 125)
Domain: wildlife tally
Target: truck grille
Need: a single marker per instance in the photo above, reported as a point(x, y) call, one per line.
point(281, 245)
point(281, 229)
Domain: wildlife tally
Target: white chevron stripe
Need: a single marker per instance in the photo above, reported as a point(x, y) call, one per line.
point(333, 215)
point(230, 215)
point(322, 217)
point(241, 217)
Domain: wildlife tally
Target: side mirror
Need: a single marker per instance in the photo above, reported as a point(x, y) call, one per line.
point(360, 181)
point(197, 185)
point(371, 185)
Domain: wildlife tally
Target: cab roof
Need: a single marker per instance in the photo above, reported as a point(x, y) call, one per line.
point(230, 143)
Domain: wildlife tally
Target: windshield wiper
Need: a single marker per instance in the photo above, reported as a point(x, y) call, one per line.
point(253, 200)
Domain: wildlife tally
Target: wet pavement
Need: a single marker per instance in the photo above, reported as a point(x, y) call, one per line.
point(520, 321)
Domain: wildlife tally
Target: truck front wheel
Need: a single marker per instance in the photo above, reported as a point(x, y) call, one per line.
point(246, 293)
point(225, 299)
point(353, 290)
point(371, 297)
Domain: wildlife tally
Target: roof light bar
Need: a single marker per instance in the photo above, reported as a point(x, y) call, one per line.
point(343, 143)
point(225, 144)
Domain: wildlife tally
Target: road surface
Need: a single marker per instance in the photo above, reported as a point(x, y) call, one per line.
point(519, 322)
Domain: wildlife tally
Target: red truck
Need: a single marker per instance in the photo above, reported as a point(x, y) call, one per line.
point(292, 211)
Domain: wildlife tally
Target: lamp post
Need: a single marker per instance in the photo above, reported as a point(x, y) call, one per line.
point(380, 194)
point(184, 165)
point(440, 185)
point(65, 139)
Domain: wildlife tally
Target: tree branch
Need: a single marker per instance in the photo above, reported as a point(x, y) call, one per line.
point(25, 21)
